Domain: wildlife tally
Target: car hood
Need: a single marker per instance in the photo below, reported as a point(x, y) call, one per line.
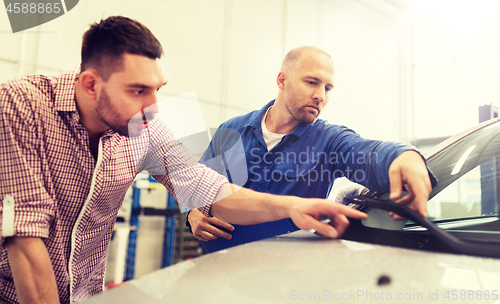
point(301, 265)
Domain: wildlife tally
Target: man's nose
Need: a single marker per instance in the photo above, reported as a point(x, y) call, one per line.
point(151, 107)
point(319, 95)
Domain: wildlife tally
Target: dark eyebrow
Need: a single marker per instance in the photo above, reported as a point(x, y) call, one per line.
point(142, 86)
point(138, 86)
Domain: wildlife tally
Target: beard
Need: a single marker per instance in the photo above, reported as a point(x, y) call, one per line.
point(109, 114)
point(299, 112)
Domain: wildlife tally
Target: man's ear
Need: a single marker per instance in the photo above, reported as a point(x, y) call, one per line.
point(88, 81)
point(280, 80)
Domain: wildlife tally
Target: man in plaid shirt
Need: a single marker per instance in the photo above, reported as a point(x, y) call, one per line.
point(70, 148)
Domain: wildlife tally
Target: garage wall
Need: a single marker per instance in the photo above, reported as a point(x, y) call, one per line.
point(456, 66)
point(230, 51)
point(365, 45)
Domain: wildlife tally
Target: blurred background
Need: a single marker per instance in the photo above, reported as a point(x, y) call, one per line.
point(404, 69)
point(413, 71)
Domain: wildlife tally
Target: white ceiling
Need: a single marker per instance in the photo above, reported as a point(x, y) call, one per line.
point(404, 5)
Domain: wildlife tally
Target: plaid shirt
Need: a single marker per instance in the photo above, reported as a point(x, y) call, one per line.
point(51, 186)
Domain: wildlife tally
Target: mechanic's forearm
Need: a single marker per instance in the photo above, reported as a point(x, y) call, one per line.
point(32, 270)
point(243, 206)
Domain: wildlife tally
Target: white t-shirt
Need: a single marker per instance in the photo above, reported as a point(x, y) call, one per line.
point(270, 138)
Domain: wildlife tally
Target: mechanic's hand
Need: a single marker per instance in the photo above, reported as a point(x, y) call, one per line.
point(307, 215)
point(409, 169)
point(207, 228)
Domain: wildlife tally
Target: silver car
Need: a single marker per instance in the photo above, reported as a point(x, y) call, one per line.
point(377, 260)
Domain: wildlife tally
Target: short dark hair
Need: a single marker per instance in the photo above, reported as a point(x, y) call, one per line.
point(105, 43)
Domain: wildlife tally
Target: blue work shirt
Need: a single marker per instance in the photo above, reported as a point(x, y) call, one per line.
point(305, 162)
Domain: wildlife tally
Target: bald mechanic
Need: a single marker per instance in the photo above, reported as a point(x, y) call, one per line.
point(71, 146)
point(288, 150)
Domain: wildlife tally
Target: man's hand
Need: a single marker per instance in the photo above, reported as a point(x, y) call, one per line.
point(409, 169)
point(207, 228)
point(247, 207)
point(307, 214)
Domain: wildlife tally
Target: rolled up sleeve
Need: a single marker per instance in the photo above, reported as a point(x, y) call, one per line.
point(26, 207)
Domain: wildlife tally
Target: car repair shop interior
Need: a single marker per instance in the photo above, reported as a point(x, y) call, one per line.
point(411, 71)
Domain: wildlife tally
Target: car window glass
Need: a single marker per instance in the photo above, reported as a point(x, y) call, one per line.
point(474, 194)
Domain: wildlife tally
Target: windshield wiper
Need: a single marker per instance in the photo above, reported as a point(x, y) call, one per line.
point(460, 246)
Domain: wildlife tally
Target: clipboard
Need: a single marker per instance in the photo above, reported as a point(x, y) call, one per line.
point(250, 233)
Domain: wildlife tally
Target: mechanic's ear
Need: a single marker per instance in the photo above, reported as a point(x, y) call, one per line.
point(280, 81)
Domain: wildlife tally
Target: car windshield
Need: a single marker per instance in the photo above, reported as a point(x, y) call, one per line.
point(469, 177)
point(467, 198)
point(465, 202)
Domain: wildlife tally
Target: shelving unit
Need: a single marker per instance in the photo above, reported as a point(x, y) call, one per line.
point(178, 242)
point(188, 246)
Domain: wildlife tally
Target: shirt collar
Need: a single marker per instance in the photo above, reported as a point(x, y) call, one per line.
point(64, 91)
point(256, 119)
point(65, 100)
